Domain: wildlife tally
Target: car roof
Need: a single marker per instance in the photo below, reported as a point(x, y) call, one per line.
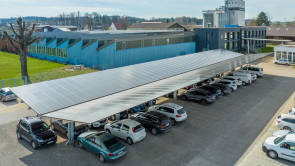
point(89, 133)
point(172, 106)
point(6, 89)
point(156, 115)
point(129, 122)
point(200, 90)
point(290, 137)
point(31, 120)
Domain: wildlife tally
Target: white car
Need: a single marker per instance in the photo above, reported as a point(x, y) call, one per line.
point(254, 69)
point(175, 112)
point(253, 76)
point(280, 147)
point(232, 78)
point(245, 77)
point(282, 133)
point(283, 62)
point(127, 129)
point(292, 111)
point(230, 84)
point(7, 95)
point(286, 122)
point(100, 123)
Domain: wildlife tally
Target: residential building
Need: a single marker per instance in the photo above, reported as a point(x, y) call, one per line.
point(157, 26)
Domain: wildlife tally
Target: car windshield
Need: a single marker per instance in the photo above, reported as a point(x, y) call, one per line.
point(39, 127)
point(181, 111)
point(279, 139)
point(111, 143)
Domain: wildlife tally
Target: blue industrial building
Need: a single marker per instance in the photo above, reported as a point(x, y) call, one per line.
point(106, 50)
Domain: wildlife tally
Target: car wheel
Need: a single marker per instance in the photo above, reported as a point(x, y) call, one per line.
point(80, 144)
point(203, 102)
point(183, 98)
point(33, 144)
point(129, 141)
point(173, 122)
point(287, 128)
point(101, 158)
point(18, 135)
point(108, 131)
point(272, 154)
point(154, 131)
point(244, 83)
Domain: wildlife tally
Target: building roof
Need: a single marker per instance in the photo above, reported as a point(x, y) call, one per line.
point(281, 31)
point(156, 25)
point(90, 97)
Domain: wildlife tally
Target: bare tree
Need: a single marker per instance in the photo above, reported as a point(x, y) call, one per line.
point(20, 42)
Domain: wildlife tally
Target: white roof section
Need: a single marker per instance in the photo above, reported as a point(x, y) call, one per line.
point(92, 97)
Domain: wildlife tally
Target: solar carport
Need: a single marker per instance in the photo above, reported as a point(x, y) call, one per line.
point(91, 97)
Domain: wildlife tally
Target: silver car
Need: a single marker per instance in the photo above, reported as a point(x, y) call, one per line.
point(127, 129)
point(7, 95)
point(175, 112)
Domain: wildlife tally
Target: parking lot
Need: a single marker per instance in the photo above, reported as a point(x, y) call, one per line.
point(214, 135)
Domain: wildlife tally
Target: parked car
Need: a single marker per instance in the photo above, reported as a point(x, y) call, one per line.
point(127, 129)
point(286, 122)
point(36, 132)
point(102, 144)
point(153, 121)
point(62, 128)
point(238, 81)
point(225, 90)
point(280, 147)
point(283, 62)
point(231, 84)
point(100, 123)
point(292, 111)
point(255, 70)
point(253, 76)
point(175, 112)
point(199, 95)
point(245, 77)
point(7, 95)
point(212, 89)
point(120, 116)
point(281, 133)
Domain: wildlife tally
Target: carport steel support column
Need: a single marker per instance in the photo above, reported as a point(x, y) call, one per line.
point(175, 95)
point(71, 139)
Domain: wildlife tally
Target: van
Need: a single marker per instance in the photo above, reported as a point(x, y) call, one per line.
point(253, 69)
point(245, 77)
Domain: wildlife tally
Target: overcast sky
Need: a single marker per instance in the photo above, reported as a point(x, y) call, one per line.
point(282, 10)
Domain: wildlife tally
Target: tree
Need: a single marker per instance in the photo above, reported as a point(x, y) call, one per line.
point(262, 19)
point(20, 43)
point(252, 22)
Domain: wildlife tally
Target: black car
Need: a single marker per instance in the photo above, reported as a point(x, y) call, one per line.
point(62, 128)
point(35, 131)
point(224, 89)
point(153, 121)
point(199, 95)
point(213, 89)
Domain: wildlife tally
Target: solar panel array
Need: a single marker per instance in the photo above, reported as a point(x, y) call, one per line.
point(50, 96)
point(98, 109)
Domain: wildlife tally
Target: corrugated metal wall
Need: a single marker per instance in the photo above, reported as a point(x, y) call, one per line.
point(109, 57)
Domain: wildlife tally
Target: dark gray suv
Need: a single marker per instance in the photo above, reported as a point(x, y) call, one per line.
point(199, 95)
point(35, 131)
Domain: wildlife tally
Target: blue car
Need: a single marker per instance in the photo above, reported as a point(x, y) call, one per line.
point(102, 144)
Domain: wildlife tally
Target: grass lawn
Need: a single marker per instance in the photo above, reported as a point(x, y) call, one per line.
point(39, 70)
point(268, 48)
